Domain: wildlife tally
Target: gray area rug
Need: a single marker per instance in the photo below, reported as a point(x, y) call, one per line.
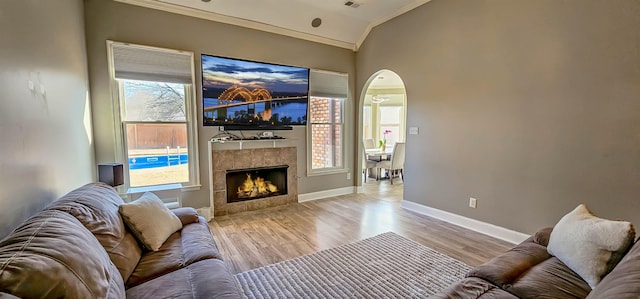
point(384, 266)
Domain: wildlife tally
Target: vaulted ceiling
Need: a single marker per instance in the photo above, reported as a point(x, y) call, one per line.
point(339, 23)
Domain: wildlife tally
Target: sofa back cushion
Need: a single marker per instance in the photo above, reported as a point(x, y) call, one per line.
point(505, 269)
point(52, 255)
point(95, 205)
point(549, 279)
point(624, 281)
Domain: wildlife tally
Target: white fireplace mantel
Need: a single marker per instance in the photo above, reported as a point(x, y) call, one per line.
point(249, 144)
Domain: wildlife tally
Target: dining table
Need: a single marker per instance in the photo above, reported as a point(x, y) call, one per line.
point(377, 154)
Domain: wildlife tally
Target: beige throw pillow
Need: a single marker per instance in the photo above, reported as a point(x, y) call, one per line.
point(149, 220)
point(588, 245)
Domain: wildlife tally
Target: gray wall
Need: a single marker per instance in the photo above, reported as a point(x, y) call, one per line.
point(46, 147)
point(531, 106)
point(134, 24)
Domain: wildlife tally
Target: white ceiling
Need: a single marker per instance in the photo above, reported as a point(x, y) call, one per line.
point(341, 26)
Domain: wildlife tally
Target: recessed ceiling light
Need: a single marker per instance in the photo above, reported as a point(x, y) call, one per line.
point(380, 77)
point(206, 0)
point(316, 22)
point(351, 4)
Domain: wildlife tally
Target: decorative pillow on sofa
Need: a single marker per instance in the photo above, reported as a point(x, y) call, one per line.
point(588, 245)
point(149, 220)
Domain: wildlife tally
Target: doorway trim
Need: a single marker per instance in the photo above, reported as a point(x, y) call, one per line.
point(359, 127)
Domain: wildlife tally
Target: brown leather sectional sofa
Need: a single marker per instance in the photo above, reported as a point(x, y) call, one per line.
point(79, 247)
point(529, 271)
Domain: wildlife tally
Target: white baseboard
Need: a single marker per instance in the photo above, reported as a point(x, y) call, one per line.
point(205, 212)
point(489, 229)
point(325, 194)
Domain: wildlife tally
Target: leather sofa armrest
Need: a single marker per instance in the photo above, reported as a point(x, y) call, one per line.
point(507, 267)
point(542, 236)
point(473, 288)
point(186, 215)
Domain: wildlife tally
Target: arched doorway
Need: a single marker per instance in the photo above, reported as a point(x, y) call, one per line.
point(383, 110)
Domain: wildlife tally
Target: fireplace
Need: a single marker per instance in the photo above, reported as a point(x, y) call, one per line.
point(224, 161)
point(255, 183)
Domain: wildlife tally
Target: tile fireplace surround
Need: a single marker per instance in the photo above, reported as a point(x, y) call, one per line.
point(223, 160)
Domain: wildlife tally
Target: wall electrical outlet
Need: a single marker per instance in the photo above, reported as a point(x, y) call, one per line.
point(348, 175)
point(473, 203)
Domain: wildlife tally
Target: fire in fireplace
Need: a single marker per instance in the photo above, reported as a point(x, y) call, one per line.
point(254, 183)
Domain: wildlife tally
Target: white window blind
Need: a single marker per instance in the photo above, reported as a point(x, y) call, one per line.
point(328, 84)
point(135, 62)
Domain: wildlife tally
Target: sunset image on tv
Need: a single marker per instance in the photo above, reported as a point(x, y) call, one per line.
point(245, 92)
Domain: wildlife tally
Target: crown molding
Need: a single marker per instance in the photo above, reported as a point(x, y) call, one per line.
point(388, 17)
point(211, 16)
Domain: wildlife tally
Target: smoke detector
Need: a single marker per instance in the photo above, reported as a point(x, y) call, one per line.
point(352, 4)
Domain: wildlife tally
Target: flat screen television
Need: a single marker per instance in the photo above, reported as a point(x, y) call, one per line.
point(249, 95)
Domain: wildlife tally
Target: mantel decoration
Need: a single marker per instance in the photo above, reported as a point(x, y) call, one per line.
point(383, 142)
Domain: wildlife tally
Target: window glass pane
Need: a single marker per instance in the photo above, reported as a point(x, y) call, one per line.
point(337, 146)
point(157, 153)
point(390, 120)
point(320, 110)
point(367, 123)
point(390, 114)
point(391, 137)
point(153, 101)
point(325, 151)
point(336, 109)
point(326, 132)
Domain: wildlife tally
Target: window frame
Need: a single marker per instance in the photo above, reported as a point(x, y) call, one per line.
point(120, 142)
point(333, 85)
point(400, 123)
point(343, 161)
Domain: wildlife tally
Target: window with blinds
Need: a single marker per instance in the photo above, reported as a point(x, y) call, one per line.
point(156, 112)
point(328, 92)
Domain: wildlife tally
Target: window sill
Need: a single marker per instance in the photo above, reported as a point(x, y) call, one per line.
point(169, 193)
point(191, 188)
point(133, 190)
point(327, 172)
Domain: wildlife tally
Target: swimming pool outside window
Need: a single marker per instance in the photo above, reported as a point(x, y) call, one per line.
point(156, 133)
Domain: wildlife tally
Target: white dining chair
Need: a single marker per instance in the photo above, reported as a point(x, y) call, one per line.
point(369, 144)
point(396, 164)
point(367, 164)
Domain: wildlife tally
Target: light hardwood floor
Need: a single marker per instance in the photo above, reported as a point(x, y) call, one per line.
point(254, 239)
